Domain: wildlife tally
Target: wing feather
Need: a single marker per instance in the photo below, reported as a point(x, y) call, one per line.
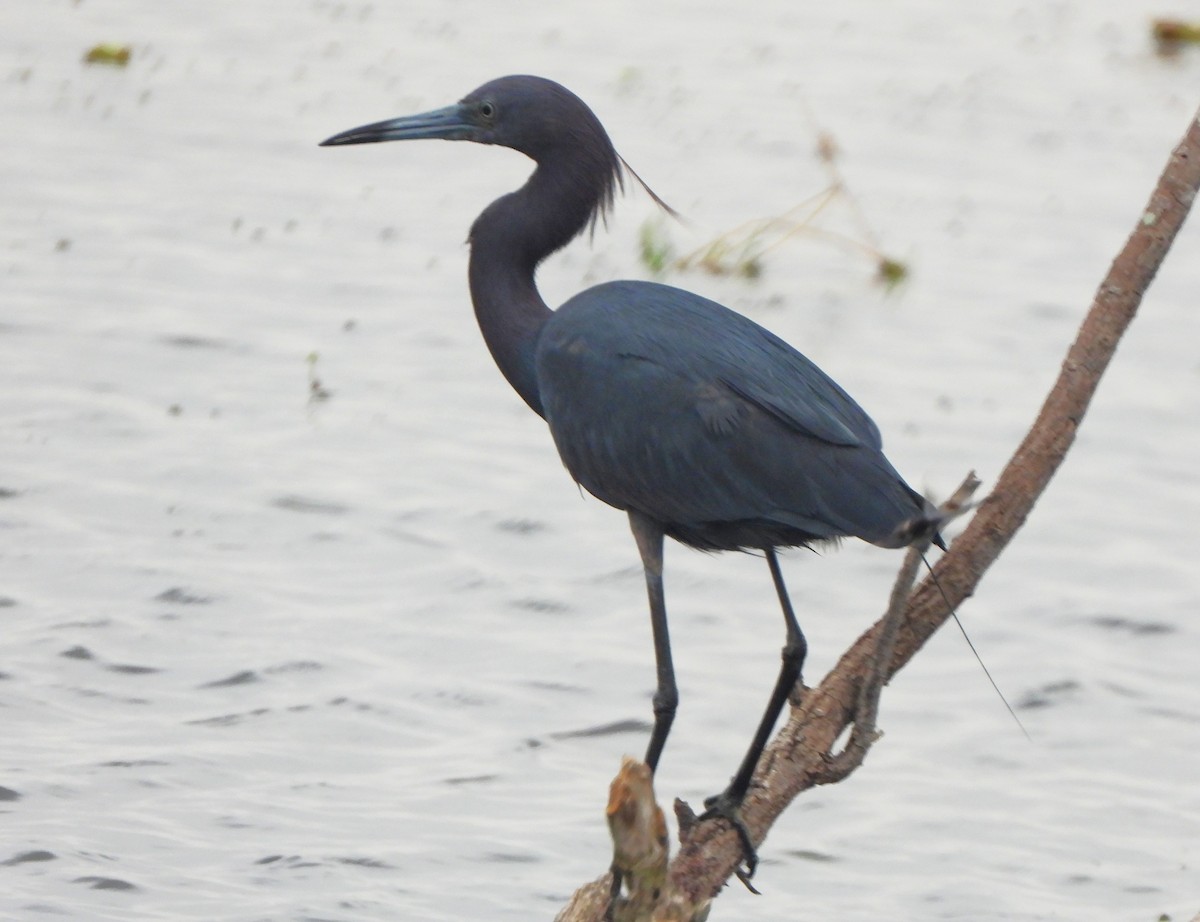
point(671, 404)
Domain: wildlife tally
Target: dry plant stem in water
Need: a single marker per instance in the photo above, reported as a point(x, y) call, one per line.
point(802, 755)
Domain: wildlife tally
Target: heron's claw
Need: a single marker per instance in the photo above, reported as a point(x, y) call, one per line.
point(725, 806)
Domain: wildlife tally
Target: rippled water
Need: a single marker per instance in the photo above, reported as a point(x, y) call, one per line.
point(373, 656)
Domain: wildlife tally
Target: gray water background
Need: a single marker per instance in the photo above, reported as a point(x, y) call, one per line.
point(271, 659)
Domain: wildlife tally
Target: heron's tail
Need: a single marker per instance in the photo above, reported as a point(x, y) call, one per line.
point(925, 526)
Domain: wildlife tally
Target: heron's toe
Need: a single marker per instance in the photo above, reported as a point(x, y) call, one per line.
point(726, 806)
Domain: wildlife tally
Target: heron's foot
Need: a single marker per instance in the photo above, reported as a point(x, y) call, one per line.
point(727, 806)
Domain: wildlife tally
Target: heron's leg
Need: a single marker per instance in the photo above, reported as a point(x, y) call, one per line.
point(795, 647)
point(649, 537)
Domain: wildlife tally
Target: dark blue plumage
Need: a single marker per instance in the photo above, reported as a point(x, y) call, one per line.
point(711, 425)
point(695, 420)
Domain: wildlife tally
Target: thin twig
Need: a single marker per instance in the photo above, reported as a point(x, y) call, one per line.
point(864, 733)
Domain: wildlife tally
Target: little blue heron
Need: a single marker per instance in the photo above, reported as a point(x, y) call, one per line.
point(691, 418)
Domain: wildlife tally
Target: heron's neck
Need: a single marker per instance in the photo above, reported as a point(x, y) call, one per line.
point(508, 240)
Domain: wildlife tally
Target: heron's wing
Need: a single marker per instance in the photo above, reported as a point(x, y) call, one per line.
point(694, 336)
point(663, 401)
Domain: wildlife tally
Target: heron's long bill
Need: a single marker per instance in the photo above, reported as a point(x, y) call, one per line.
point(449, 124)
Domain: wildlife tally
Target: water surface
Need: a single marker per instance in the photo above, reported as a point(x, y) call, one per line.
point(271, 658)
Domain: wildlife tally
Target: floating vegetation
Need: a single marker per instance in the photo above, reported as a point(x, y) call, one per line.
point(742, 251)
point(655, 246)
point(109, 54)
point(1170, 35)
point(317, 392)
point(736, 252)
point(891, 272)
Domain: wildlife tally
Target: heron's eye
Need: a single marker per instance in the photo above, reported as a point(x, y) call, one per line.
point(487, 110)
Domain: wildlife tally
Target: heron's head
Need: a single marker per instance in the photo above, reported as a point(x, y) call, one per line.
point(535, 116)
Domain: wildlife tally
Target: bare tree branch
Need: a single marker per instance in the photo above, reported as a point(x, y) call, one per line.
point(802, 754)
